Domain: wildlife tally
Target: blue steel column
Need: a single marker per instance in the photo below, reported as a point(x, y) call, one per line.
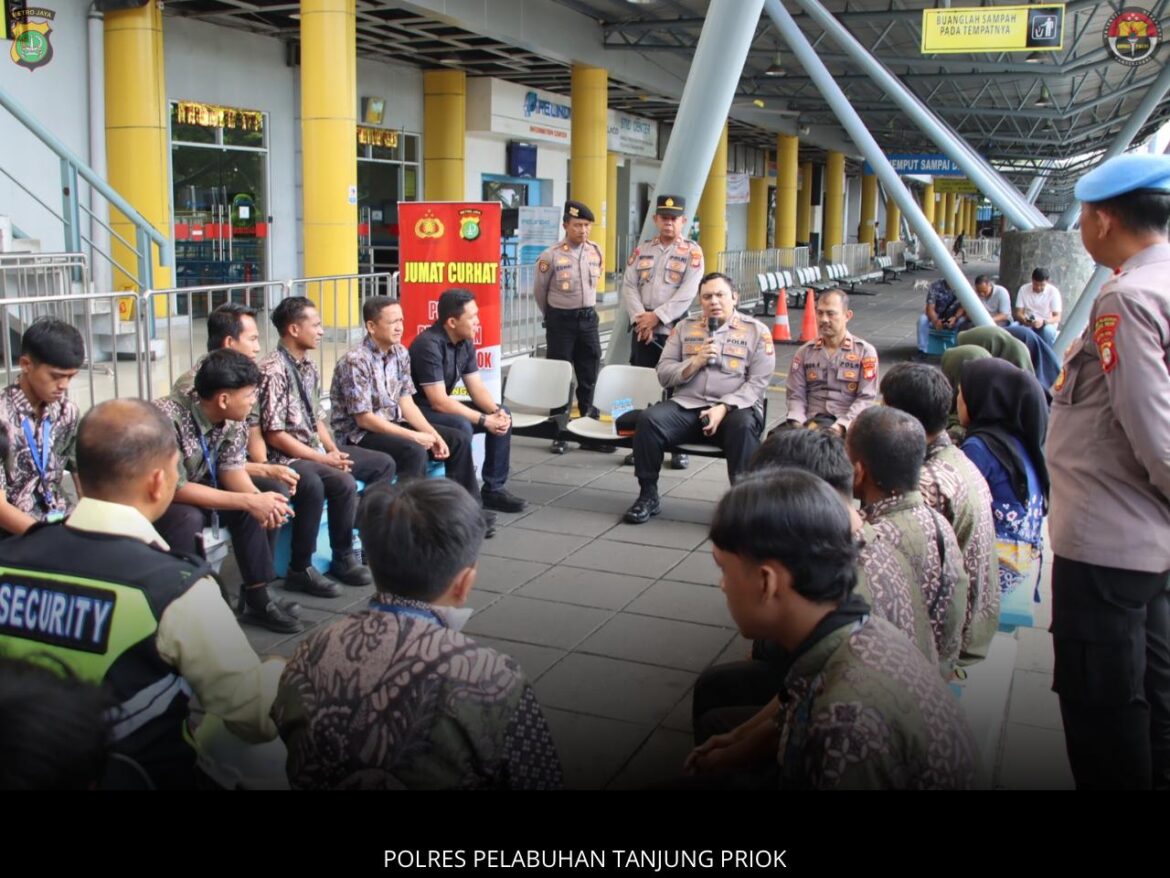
point(1076, 319)
point(727, 35)
point(852, 123)
point(1125, 136)
point(1005, 196)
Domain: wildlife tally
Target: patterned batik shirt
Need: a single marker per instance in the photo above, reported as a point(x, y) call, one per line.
point(185, 384)
point(282, 404)
point(953, 486)
point(20, 479)
point(391, 698)
point(884, 581)
point(367, 380)
point(946, 303)
point(927, 545)
point(226, 443)
point(864, 709)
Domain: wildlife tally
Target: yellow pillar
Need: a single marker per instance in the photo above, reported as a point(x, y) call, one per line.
point(587, 150)
point(958, 213)
point(893, 221)
point(136, 133)
point(611, 207)
point(787, 168)
point(757, 230)
point(834, 203)
point(928, 203)
point(713, 206)
point(444, 125)
point(804, 203)
point(949, 213)
point(940, 207)
point(868, 206)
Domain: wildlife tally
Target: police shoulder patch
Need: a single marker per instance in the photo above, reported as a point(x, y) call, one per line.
point(542, 265)
point(1105, 338)
point(633, 256)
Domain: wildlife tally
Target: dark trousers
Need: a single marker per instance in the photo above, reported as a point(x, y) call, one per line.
point(665, 424)
point(411, 458)
point(646, 353)
point(181, 524)
point(728, 695)
point(497, 457)
point(573, 336)
point(1111, 637)
point(320, 483)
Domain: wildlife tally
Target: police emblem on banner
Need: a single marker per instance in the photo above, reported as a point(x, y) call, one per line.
point(1132, 36)
point(469, 224)
point(429, 226)
point(30, 29)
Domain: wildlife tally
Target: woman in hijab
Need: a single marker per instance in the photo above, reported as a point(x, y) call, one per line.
point(1005, 413)
point(952, 366)
point(1000, 343)
point(1045, 362)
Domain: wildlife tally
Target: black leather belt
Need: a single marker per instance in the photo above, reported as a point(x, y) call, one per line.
point(573, 312)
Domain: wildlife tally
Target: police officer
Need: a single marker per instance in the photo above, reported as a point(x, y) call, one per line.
point(719, 380)
point(833, 378)
point(660, 283)
point(1109, 458)
point(102, 595)
point(565, 290)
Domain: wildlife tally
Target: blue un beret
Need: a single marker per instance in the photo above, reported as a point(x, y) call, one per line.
point(1125, 173)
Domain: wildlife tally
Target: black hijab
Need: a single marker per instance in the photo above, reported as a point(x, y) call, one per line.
point(1004, 401)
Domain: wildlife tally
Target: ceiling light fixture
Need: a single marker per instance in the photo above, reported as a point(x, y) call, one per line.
point(777, 66)
point(1045, 99)
point(758, 103)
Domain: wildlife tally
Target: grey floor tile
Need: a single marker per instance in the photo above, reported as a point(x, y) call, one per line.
point(534, 660)
point(505, 574)
point(553, 474)
point(528, 545)
point(623, 481)
point(612, 688)
point(537, 492)
point(1033, 702)
point(679, 718)
point(615, 557)
point(738, 650)
point(1034, 758)
point(609, 502)
point(682, 645)
point(686, 601)
point(541, 622)
point(578, 522)
point(715, 472)
point(593, 749)
point(349, 599)
point(697, 489)
point(480, 599)
point(660, 532)
point(505, 519)
point(1035, 650)
point(697, 567)
point(265, 641)
point(686, 509)
point(660, 759)
point(586, 588)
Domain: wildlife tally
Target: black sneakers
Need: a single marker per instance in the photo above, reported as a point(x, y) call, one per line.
point(502, 501)
point(644, 507)
point(311, 581)
point(346, 568)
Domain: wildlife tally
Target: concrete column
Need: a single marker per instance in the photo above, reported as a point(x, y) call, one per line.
point(893, 221)
point(444, 134)
point(804, 203)
point(757, 230)
point(787, 150)
point(834, 203)
point(589, 159)
point(713, 205)
point(869, 194)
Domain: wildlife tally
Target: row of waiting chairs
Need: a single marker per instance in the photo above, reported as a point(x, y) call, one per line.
point(795, 281)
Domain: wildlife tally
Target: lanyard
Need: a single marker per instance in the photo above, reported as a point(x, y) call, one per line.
point(40, 456)
point(211, 468)
point(295, 376)
point(395, 609)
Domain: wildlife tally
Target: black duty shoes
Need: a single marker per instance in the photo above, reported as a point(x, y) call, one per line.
point(642, 510)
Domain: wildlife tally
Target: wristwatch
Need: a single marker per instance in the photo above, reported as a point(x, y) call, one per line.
point(482, 419)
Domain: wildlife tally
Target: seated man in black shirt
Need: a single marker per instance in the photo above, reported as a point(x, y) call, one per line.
point(439, 357)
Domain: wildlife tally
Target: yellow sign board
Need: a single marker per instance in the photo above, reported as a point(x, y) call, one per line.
point(993, 29)
point(955, 185)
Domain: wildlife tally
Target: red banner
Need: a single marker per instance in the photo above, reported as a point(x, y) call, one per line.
point(452, 245)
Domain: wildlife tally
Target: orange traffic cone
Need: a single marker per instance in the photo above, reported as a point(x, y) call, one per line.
point(808, 330)
point(781, 334)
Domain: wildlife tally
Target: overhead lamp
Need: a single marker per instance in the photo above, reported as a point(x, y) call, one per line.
point(777, 66)
point(803, 131)
point(1034, 58)
point(758, 103)
point(1045, 99)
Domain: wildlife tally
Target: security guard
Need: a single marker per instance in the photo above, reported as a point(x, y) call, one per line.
point(1108, 456)
point(565, 290)
point(834, 378)
point(102, 596)
point(660, 283)
point(719, 380)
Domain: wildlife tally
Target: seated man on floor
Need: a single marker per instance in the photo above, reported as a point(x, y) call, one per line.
point(952, 485)
point(395, 697)
point(214, 488)
point(833, 378)
point(996, 299)
point(888, 448)
point(943, 312)
point(1038, 306)
point(440, 357)
point(719, 378)
point(858, 706)
point(296, 435)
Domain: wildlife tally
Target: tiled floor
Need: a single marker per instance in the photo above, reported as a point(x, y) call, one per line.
point(613, 622)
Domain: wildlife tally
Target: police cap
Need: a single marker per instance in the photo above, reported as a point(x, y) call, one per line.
point(576, 210)
point(1124, 174)
point(671, 205)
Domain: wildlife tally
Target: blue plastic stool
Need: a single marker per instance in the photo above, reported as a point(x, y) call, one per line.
point(940, 340)
point(1015, 609)
point(323, 555)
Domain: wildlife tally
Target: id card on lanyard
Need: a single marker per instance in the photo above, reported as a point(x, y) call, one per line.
point(211, 469)
point(40, 457)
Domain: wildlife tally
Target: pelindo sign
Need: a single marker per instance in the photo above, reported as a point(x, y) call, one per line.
point(501, 107)
point(993, 29)
point(453, 244)
point(922, 164)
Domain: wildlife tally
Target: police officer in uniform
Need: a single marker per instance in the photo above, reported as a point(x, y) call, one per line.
point(1108, 455)
point(659, 285)
point(719, 380)
point(565, 290)
point(102, 595)
point(833, 378)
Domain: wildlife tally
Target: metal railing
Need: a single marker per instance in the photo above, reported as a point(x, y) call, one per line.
point(743, 266)
point(523, 326)
point(857, 258)
point(43, 274)
point(896, 251)
point(983, 249)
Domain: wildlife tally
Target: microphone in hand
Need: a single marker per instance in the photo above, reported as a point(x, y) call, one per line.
point(712, 325)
